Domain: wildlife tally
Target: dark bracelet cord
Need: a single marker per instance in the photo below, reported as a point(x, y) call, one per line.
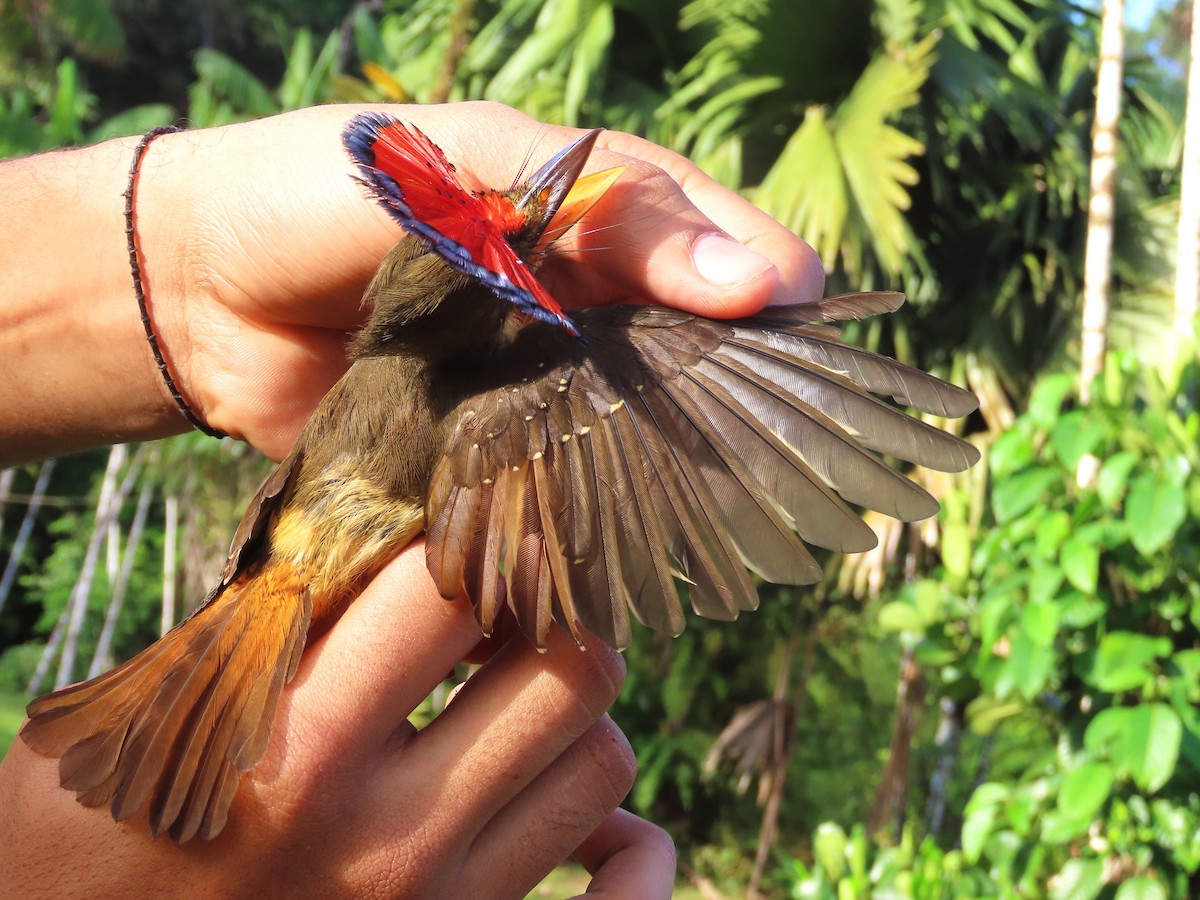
point(136, 270)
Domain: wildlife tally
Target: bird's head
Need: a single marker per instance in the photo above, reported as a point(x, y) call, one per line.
point(462, 278)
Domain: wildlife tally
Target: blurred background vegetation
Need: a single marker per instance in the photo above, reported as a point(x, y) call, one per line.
point(999, 703)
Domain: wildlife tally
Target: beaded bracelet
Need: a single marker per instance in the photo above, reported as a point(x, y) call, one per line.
point(136, 270)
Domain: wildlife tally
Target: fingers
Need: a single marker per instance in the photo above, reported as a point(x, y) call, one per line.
point(629, 857)
point(510, 723)
point(544, 823)
point(358, 683)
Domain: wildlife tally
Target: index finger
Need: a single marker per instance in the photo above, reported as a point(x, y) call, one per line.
point(628, 857)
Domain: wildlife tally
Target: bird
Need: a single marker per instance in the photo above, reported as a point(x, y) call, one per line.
point(572, 470)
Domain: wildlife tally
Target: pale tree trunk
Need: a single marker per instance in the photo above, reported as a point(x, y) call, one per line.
point(169, 579)
point(1097, 263)
point(112, 545)
point(112, 498)
point(102, 658)
point(48, 654)
point(26, 529)
point(6, 483)
point(1187, 266)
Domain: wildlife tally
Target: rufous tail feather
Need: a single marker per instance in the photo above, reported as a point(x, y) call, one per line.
point(174, 728)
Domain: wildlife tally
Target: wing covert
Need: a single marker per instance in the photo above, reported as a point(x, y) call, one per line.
point(583, 480)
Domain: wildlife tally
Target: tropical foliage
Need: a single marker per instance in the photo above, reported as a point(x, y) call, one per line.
point(999, 703)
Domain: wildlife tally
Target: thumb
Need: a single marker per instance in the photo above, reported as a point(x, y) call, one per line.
point(667, 233)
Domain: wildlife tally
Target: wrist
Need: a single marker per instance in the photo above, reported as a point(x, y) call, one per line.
point(139, 288)
point(76, 371)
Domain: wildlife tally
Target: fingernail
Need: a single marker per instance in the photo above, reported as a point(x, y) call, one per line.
point(724, 262)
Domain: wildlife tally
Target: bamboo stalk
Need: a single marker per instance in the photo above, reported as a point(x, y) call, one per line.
point(108, 507)
point(25, 530)
point(102, 658)
point(169, 540)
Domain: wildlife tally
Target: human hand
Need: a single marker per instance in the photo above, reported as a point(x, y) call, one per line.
point(258, 245)
point(350, 800)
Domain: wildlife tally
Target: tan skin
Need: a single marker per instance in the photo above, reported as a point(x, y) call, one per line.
point(257, 246)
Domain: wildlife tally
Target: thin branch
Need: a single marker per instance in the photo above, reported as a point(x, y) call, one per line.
point(25, 530)
point(102, 658)
point(108, 507)
point(460, 39)
point(169, 540)
point(6, 483)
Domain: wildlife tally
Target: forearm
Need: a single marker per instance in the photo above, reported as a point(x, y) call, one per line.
point(75, 367)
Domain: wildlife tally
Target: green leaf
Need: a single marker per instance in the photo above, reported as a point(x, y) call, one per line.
point(65, 119)
point(587, 63)
point(1027, 668)
point(979, 816)
point(1080, 879)
point(994, 618)
point(1080, 610)
point(929, 598)
point(1074, 435)
point(230, 80)
point(1140, 741)
point(1125, 660)
point(1052, 530)
point(1021, 809)
point(899, 616)
point(1045, 403)
point(1114, 476)
point(1019, 494)
point(1040, 622)
point(1143, 887)
point(842, 179)
point(1085, 790)
point(1012, 451)
point(1059, 828)
point(1080, 561)
point(135, 120)
point(956, 549)
point(1154, 511)
point(1187, 664)
point(829, 849)
point(985, 713)
point(91, 27)
point(1044, 585)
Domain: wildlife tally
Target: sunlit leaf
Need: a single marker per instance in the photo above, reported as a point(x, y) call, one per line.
point(229, 80)
point(1080, 879)
point(1080, 562)
point(1141, 887)
point(1154, 511)
point(1140, 741)
point(1126, 660)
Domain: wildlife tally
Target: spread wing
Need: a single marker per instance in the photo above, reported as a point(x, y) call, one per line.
point(585, 479)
